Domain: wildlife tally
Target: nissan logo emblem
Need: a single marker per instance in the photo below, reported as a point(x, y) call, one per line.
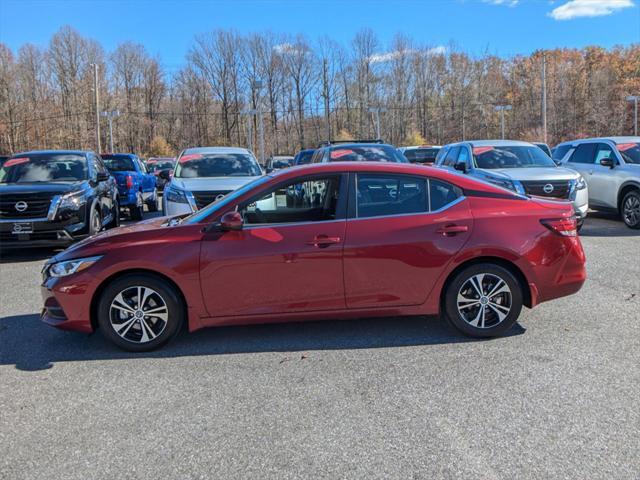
point(21, 206)
point(548, 188)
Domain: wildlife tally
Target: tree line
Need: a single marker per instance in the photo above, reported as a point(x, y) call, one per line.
point(305, 92)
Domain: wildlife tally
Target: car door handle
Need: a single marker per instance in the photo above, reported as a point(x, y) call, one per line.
point(323, 241)
point(451, 230)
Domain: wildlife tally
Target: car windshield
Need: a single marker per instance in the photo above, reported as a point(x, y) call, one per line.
point(366, 153)
point(118, 163)
point(280, 163)
point(156, 166)
point(201, 215)
point(304, 158)
point(52, 167)
point(544, 147)
point(421, 155)
point(217, 165)
point(511, 157)
point(630, 152)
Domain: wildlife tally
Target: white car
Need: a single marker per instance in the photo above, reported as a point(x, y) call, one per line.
point(205, 174)
point(424, 154)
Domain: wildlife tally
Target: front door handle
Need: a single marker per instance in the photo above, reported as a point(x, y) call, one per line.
point(323, 241)
point(451, 230)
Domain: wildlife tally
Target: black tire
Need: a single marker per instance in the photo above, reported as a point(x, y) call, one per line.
point(95, 221)
point(115, 211)
point(133, 332)
point(153, 204)
point(463, 284)
point(630, 209)
point(136, 212)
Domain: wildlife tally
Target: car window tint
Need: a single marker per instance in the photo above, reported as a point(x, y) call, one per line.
point(379, 194)
point(452, 156)
point(560, 152)
point(442, 194)
point(604, 152)
point(464, 155)
point(441, 154)
point(310, 200)
point(584, 153)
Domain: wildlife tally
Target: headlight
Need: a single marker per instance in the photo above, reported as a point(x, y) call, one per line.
point(508, 184)
point(62, 269)
point(174, 195)
point(580, 183)
point(519, 188)
point(73, 201)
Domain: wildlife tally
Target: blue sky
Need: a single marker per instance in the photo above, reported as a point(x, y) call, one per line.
point(166, 28)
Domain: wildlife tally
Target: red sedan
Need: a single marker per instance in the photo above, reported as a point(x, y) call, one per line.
point(337, 240)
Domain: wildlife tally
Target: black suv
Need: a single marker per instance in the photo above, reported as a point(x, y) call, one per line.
point(51, 198)
point(357, 151)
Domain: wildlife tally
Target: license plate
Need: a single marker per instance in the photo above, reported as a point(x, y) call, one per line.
point(22, 228)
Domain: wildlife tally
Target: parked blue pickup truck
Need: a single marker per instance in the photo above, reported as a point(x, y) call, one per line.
point(135, 185)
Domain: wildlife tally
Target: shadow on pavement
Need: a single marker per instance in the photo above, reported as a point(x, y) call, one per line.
point(31, 345)
point(604, 224)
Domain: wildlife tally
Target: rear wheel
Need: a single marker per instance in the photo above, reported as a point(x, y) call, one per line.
point(483, 300)
point(140, 312)
point(136, 212)
point(631, 209)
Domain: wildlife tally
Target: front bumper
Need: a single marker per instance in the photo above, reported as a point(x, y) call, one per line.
point(581, 205)
point(66, 303)
point(174, 208)
point(43, 232)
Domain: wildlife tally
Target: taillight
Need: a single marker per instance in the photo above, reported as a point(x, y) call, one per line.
point(129, 181)
point(567, 227)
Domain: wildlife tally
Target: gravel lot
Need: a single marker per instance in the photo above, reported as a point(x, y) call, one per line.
point(388, 398)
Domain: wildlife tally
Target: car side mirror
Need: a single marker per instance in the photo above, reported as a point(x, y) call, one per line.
point(461, 166)
point(607, 162)
point(102, 177)
point(268, 170)
point(231, 221)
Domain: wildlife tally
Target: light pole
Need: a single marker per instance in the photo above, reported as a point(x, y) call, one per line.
point(377, 111)
point(257, 85)
point(249, 113)
point(634, 99)
point(97, 105)
point(501, 109)
point(110, 116)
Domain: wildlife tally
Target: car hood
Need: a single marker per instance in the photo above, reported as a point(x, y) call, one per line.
point(105, 240)
point(211, 183)
point(54, 188)
point(534, 173)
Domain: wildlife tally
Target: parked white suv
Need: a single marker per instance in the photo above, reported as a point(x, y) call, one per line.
point(611, 167)
point(518, 166)
point(203, 175)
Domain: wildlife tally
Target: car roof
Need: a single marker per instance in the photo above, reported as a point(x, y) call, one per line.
point(463, 181)
point(216, 150)
point(616, 140)
point(52, 152)
point(415, 147)
point(499, 143)
point(357, 144)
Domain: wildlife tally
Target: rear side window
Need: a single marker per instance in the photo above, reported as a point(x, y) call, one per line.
point(560, 152)
point(381, 195)
point(584, 153)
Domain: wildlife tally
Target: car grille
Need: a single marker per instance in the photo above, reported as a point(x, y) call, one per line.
point(37, 205)
point(561, 188)
point(205, 198)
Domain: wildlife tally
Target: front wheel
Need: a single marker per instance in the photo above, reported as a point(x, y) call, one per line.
point(483, 300)
point(140, 312)
point(115, 212)
point(631, 209)
point(95, 222)
point(136, 212)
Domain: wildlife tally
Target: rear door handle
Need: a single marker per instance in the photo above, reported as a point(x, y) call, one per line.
point(451, 230)
point(323, 241)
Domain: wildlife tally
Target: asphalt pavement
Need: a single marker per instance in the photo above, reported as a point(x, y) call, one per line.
point(559, 397)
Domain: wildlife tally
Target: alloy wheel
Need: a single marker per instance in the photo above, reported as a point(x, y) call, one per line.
point(138, 314)
point(631, 210)
point(484, 300)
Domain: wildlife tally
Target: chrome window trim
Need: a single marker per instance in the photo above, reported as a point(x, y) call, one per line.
point(446, 207)
point(253, 226)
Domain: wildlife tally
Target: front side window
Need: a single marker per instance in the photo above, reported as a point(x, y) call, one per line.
point(44, 167)
point(452, 157)
point(464, 155)
point(380, 195)
point(200, 165)
point(308, 200)
point(584, 153)
point(604, 152)
point(491, 157)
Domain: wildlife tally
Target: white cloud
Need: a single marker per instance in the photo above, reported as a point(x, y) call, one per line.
point(389, 56)
point(508, 3)
point(287, 49)
point(588, 8)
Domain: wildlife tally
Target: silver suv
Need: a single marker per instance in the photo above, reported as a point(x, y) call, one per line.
point(611, 167)
point(519, 166)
